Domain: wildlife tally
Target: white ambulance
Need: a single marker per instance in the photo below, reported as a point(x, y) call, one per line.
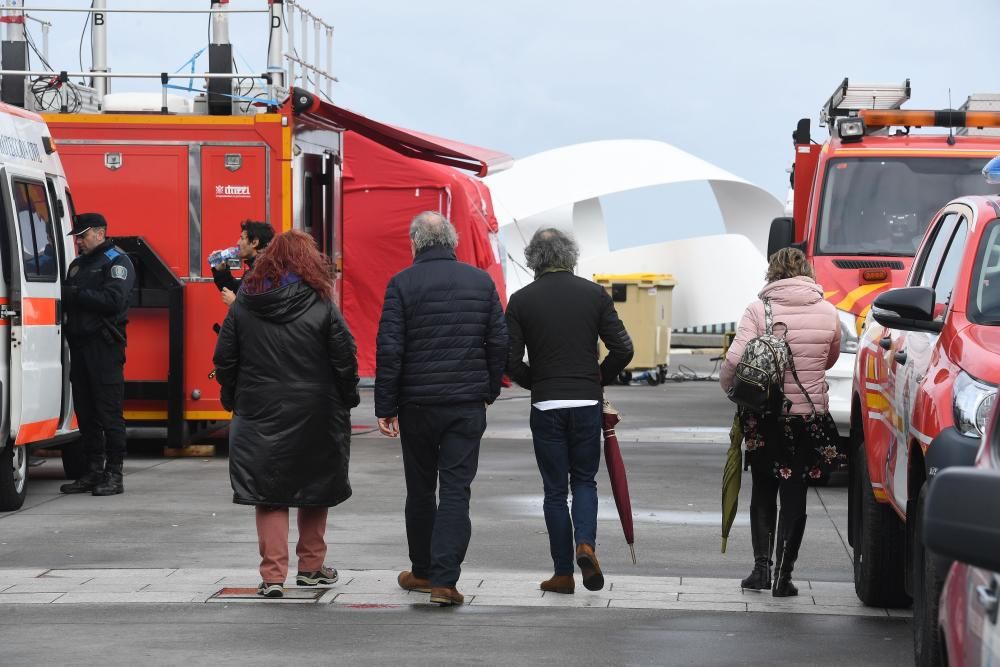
point(35, 215)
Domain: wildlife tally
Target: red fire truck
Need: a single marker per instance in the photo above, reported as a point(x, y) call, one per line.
point(176, 175)
point(862, 199)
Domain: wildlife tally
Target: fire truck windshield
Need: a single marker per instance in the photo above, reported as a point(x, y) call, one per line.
point(882, 206)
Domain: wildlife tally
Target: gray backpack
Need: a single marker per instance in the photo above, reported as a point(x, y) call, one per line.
point(760, 375)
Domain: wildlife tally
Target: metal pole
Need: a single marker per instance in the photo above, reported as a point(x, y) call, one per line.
point(275, 64)
point(329, 63)
point(45, 40)
point(316, 60)
point(99, 44)
point(304, 51)
point(14, 15)
point(290, 8)
point(220, 22)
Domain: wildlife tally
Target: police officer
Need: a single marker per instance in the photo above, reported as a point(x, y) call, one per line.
point(95, 306)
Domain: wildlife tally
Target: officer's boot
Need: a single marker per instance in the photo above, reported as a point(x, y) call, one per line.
point(789, 541)
point(762, 539)
point(90, 479)
point(114, 482)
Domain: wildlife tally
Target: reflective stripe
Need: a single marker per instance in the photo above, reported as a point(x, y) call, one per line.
point(38, 312)
point(857, 294)
point(36, 431)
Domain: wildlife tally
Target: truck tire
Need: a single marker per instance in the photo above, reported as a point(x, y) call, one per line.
point(13, 477)
point(74, 459)
point(879, 548)
point(929, 572)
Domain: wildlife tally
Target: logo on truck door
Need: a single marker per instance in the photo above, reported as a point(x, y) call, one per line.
point(232, 191)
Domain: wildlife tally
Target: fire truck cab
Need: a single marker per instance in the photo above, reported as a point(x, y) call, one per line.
point(862, 199)
point(35, 216)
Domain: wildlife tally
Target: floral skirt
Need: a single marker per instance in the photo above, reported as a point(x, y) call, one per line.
point(795, 445)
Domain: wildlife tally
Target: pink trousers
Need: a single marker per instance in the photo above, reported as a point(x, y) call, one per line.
point(272, 537)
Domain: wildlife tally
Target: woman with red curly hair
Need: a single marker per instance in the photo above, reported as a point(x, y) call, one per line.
point(288, 368)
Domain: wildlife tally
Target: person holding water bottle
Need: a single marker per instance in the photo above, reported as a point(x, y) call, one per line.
point(253, 239)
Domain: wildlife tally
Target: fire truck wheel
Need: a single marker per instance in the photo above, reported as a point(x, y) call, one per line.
point(13, 477)
point(879, 550)
point(929, 571)
point(74, 460)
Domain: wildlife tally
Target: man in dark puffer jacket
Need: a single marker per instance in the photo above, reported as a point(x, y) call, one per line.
point(440, 356)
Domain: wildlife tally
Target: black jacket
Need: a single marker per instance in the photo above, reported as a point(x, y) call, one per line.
point(559, 318)
point(224, 278)
point(442, 337)
point(95, 294)
point(288, 369)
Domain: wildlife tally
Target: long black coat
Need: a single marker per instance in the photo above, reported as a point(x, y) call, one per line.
point(288, 368)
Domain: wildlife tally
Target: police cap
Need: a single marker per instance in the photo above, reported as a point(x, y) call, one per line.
point(84, 221)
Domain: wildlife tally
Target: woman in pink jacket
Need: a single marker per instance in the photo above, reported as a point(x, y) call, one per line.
point(786, 450)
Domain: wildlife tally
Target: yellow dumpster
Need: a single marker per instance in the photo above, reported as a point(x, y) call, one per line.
point(644, 302)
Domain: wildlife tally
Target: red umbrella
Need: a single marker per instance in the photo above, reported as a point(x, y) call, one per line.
point(619, 479)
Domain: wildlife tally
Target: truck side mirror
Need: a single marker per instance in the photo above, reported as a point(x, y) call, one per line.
point(782, 235)
point(906, 308)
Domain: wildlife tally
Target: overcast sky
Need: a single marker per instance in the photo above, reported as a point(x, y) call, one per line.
point(726, 80)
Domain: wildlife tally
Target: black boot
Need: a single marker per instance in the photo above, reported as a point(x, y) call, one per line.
point(762, 539)
point(90, 479)
point(789, 541)
point(114, 482)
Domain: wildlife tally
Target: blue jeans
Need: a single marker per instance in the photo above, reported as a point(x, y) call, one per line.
point(568, 450)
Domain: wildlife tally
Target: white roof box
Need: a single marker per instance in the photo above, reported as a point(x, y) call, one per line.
point(146, 103)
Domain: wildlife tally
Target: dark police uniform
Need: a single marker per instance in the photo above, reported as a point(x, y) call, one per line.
point(95, 308)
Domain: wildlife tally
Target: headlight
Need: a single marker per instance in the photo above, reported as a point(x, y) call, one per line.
point(848, 332)
point(972, 402)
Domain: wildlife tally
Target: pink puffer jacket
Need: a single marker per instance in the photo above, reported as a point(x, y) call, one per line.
point(813, 336)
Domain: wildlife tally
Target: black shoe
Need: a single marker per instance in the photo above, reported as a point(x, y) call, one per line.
point(90, 479)
point(113, 483)
point(789, 541)
point(325, 576)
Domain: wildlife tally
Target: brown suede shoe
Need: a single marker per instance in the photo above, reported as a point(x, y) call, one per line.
point(560, 583)
point(412, 583)
point(446, 597)
point(593, 579)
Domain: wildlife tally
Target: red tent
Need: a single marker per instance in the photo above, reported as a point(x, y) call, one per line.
point(383, 191)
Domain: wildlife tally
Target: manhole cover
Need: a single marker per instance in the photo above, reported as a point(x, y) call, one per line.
point(291, 594)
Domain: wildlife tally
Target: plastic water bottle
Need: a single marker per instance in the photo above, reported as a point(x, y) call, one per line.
point(223, 256)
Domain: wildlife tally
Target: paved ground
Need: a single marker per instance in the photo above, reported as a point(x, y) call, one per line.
point(134, 572)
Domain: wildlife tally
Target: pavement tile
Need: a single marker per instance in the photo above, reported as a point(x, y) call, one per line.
point(545, 601)
point(717, 597)
point(355, 599)
point(20, 573)
point(112, 572)
point(28, 598)
point(35, 586)
point(706, 583)
point(786, 608)
point(126, 598)
point(834, 600)
point(845, 587)
point(622, 585)
point(677, 605)
point(160, 587)
point(503, 592)
point(663, 596)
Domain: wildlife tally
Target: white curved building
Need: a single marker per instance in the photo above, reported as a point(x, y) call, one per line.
point(717, 276)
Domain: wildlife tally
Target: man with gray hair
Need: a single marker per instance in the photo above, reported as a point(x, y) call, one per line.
point(440, 356)
point(559, 318)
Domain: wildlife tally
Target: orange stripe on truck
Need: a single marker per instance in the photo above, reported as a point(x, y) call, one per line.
point(38, 312)
point(36, 431)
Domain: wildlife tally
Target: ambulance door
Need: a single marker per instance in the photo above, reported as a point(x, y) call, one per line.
point(33, 307)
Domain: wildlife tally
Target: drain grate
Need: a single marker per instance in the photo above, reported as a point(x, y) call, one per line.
point(291, 595)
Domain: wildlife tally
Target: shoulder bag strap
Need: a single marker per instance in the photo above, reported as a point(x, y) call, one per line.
point(795, 376)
